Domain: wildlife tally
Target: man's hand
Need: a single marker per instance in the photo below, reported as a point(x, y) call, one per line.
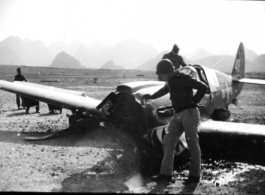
point(165, 113)
point(147, 96)
point(197, 104)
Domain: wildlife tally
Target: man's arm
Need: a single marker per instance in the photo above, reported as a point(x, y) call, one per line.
point(24, 79)
point(181, 61)
point(15, 78)
point(161, 92)
point(200, 86)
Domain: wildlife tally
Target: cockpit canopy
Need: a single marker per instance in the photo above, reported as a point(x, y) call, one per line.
point(204, 74)
point(189, 70)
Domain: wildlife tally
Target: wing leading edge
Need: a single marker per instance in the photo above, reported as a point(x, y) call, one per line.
point(67, 91)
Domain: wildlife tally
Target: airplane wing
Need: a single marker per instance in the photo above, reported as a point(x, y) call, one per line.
point(251, 81)
point(231, 128)
point(58, 97)
point(240, 137)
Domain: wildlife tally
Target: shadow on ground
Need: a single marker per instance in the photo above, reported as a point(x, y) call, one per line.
point(110, 174)
point(71, 136)
point(21, 114)
point(48, 114)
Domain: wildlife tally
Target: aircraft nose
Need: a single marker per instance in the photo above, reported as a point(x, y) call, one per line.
point(125, 113)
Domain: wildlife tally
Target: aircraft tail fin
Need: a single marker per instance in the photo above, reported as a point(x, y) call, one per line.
point(239, 65)
point(238, 72)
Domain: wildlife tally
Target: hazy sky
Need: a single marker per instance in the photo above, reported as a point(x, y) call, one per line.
point(214, 25)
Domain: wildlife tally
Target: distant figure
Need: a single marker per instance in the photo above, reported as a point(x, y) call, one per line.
point(19, 77)
point(53, 108)
point(176, 59)
point(28, 102)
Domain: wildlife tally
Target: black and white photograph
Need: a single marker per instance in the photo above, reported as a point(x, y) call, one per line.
point(132, 96)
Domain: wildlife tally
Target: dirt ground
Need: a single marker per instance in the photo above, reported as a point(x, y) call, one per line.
point(98, 159)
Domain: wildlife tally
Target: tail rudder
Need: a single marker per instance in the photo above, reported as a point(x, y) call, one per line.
point(238, 73)
point(239, 65)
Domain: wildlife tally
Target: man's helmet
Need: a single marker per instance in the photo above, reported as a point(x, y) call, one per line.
point(165, 66)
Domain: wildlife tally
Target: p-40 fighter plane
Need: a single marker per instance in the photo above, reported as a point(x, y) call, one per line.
point(126, 109)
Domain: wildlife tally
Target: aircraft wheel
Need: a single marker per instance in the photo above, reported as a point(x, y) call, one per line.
point(220, 114)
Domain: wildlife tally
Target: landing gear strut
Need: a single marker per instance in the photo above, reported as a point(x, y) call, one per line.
point(82, 120)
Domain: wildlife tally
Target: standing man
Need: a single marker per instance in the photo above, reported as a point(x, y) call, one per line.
point(185, 119)
point(19, 77)
point(175, 58)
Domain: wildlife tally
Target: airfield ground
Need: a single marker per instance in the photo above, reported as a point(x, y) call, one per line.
point(97, 159)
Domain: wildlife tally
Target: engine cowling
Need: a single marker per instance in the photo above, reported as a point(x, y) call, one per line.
point(124, 112)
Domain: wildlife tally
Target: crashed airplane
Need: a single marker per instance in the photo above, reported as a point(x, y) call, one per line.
point(125, 109)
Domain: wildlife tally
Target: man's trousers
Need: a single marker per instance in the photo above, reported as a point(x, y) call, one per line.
point(187, 122)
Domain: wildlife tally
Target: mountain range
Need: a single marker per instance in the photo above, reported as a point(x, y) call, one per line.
point(110, 65)
point(64, 60)
point(18, 52)
point(128, 54)
point(222, 63)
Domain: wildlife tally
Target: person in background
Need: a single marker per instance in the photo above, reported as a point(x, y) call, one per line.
point(28, 102)
point(175, 58)
point(52, 109)
point(186, 118)
point(19, 77)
